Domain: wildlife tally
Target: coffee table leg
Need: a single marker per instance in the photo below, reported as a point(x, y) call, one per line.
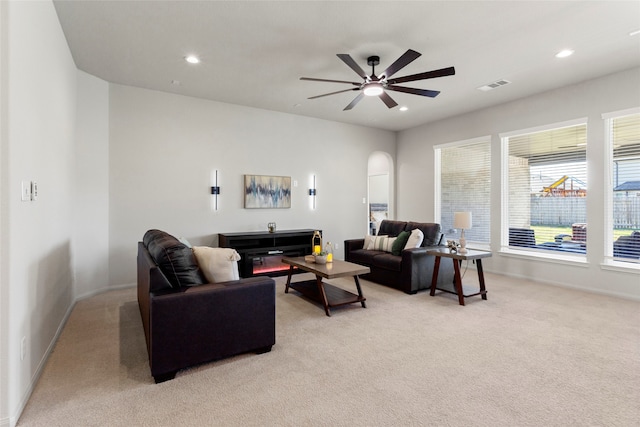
point(286, 289)
point(458, 281)
point(364, 304)
point(323, 295)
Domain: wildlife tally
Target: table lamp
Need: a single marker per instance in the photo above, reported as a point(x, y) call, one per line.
point(462, 220)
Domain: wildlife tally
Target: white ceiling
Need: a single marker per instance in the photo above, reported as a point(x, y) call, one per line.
point(253, 53)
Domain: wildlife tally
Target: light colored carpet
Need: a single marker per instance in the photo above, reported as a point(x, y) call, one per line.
point(530, 355)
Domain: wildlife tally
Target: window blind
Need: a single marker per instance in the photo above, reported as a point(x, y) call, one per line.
point(547, 189)
point(624, 204)
point(465, 186)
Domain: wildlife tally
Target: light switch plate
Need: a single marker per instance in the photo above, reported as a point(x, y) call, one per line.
point(34, 190)
point(26, 191)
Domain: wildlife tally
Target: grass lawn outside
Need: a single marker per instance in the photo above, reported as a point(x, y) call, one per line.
point(546, 233)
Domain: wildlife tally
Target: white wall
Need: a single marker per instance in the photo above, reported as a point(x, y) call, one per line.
point(164, 147)
point(415, 160)
point(91, 192)
point(39, 89)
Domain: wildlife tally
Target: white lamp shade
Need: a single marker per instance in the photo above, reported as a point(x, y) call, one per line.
point(462, 220)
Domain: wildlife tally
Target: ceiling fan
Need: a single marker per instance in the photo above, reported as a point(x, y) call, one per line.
point(373, 85)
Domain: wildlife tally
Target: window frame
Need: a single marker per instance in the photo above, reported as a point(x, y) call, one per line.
point(504, 248)
point(437, 149)
point(609, 261)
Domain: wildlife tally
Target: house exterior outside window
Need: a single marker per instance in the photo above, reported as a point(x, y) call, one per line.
point(545, 189)
point(623, 208)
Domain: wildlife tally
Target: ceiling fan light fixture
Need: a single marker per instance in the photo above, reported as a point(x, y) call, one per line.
point(373, 89)
point(192, 59)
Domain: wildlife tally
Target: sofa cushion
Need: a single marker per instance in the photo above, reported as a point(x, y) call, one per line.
point(176, 261)
point(415, 239)
point(431, 231)
point(387, 261)
point(217, 264)
point(362, 256)
point(392, 228)
point(400, 243)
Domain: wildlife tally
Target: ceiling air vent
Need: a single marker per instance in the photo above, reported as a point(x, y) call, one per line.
point(494, 85)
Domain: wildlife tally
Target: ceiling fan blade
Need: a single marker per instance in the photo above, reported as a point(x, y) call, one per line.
point(352, 64)
point(387, 100)
point(408, 57)
point(333, 93)
point(330, 81)
point(354, 102)
point(449, 71)
point(423, 92)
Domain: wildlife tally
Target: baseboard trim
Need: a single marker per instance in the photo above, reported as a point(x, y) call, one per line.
point(567, 286)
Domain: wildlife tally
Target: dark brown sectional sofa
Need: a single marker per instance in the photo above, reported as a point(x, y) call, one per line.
point(188, 321)
point(412, 270)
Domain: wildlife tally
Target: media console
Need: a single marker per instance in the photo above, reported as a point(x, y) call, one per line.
point(262, 252)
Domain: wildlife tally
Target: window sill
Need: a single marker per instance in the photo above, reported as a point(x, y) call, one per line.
point(625, 267)
point(553, 256)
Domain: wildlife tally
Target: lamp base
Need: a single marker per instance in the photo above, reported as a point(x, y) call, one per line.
point(463, 244)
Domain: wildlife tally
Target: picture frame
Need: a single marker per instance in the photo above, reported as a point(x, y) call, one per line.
point(267, 192)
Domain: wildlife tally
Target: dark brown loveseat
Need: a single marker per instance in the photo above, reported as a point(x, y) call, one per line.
point(412, 270)
point(188, 321)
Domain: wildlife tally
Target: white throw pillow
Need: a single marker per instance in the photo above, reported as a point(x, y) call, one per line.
point(415, 239)
point(217, 264)
point(368, 242)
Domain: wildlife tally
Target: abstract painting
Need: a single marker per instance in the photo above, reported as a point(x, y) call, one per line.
point(264, 192)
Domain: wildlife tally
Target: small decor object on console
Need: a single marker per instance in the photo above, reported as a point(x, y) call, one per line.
point(316, 243)
point(272, 227)
point(452, 245)
point(329, 251)
point(462, 220)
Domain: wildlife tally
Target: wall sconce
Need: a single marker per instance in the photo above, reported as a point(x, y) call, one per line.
point(312, 192)
point(215, 190)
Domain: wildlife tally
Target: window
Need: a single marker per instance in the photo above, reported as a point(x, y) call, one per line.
point(463, 182)
point(546, 189)
point(624, 192)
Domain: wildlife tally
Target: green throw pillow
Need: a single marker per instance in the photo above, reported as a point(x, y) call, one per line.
point(398, 245)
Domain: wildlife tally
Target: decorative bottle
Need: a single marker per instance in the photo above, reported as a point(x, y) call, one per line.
point(328, 249)
point(316, 242)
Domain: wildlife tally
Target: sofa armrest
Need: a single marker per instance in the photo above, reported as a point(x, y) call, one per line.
point(352, 245)
point(209, 322)
point(417, 269)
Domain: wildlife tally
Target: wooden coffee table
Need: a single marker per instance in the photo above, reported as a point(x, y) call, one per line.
point(326, 294)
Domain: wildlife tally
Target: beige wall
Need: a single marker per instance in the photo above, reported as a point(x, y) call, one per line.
point(589, 99)
point(39, 93)
point(164, 147)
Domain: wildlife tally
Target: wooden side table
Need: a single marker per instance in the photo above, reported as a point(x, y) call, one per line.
point(457, 258)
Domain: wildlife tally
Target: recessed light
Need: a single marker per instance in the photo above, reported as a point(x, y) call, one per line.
point(634, 33)
point(192, 59)
point(404, 108)
point(564, 53)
